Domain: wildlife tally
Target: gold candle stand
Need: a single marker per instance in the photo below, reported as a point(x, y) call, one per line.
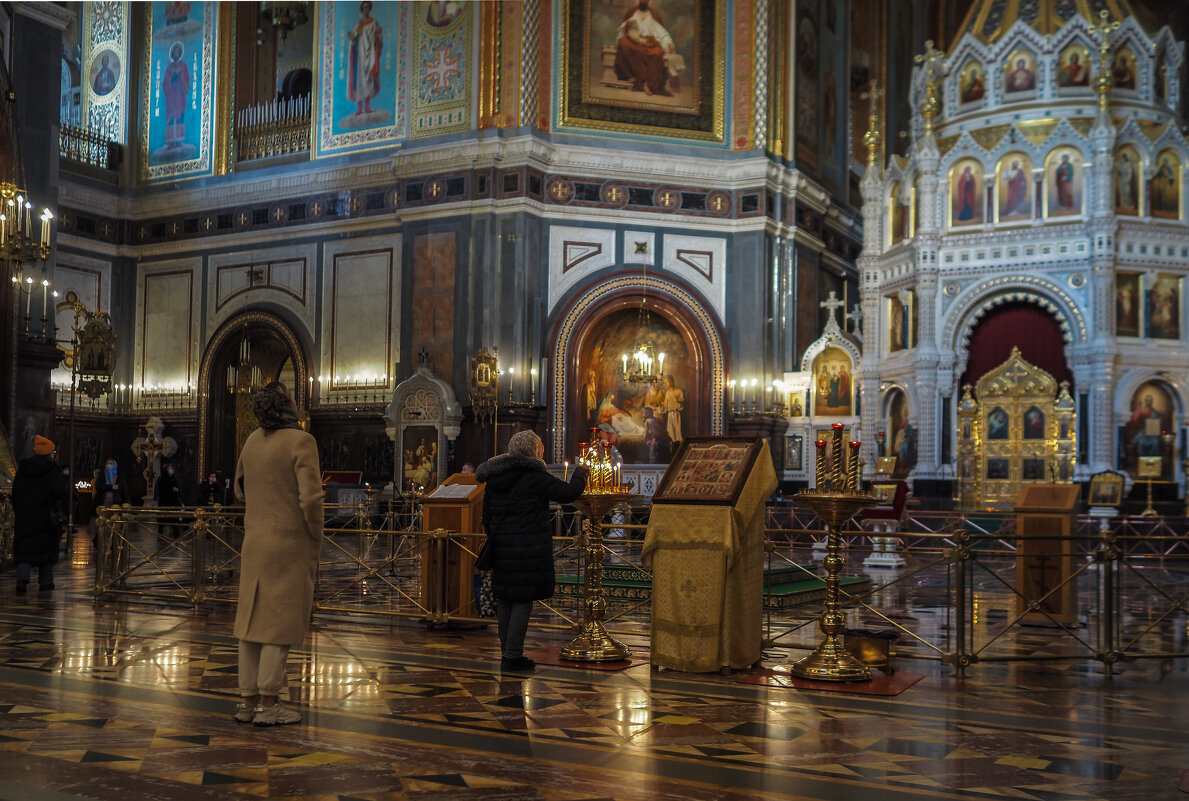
point(594, 644)
point(834, 501)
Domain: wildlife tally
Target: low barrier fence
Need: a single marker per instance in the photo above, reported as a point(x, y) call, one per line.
point(971, 593)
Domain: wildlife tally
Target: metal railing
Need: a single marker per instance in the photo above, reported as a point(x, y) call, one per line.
point(972, 592)
point(86, 146)
point(273, 129)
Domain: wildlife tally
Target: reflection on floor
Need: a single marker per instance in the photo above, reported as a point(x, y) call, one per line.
point(131, 702)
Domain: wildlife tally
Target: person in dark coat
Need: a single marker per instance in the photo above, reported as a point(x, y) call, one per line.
point(516, 519)
point(168, 492)
point(38, 500)
point(211, 491)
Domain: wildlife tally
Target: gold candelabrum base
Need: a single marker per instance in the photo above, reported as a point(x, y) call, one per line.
point(830, 661)
point(594, 644)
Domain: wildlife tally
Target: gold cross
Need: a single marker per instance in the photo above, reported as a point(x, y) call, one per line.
point(929, 58)
point(613, 194)
point(207, 223)
point(435, 189)
point(279, 214)
point(718, 203)
point(1101, 29)
point(356, 205)
point(560, 190)
point(243, 218)
point(667, 199)
point(316, 209)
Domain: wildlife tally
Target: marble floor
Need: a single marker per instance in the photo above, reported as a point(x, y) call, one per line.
point(128, 702)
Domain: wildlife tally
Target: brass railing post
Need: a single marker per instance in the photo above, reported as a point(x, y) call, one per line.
point(199, 529)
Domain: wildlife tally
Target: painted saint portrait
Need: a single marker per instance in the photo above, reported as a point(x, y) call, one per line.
point(966, 193)
point(899, 324)
point(1127, 172)
point(1123, 69)
point(998, 424)
point(1019, 73)
point(902, 438)
point(439, 13)
point(833, 386)
point(419, 458)
point(105, 72)
point(1151, 414)
point(644, 421)
point(1063, 182)
point(896, 215)
point(1034, 423)
point(1164, 190)
point(972, 84)
point(1014, 187)
point(1162, 308)
point(178, 91)
point(1127, 304)
point(1073, 67)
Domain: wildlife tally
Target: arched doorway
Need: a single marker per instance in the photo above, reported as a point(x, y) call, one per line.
point(596, 334)
point(249, 350)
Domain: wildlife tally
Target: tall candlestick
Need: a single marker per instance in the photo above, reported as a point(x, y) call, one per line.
point(852, 472)
point(821, 463)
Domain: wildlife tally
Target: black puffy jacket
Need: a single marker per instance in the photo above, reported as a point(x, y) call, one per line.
point(38, 498)
point(516, 518)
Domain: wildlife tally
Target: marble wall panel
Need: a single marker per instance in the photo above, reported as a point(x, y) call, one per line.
point(167, 324)
point(702, 263)
point(282, 276)
point(434, 257)
point(574, 255)
point(360, 311)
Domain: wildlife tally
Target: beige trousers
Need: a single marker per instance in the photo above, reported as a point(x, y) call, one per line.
point(261, 668)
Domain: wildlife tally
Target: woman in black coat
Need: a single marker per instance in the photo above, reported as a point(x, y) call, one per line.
point(38, 497)
point(516, 518)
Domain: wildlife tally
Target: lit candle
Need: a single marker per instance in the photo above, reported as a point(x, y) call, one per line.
point(3, 228)
point(852, 478)
point(567, 472)
point(625, 364)
point(45, 298)
point(28, 219)
point(731, 384)
point(837, 460)
point(821, 463)
point(661, 358)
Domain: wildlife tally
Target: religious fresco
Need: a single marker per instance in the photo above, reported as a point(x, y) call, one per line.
point(441, 101)
point(966, 193)
point(972, 83)
point(808, 68)
point(1152, 413)
point(833, 385)
point(105, 40)
point(1019, 71)
point(1014, 188)
point(1073, 67)
point(419, 458)
point(902, 434)
point(1164, 189)
point(1162, 308)
point(1123, 68)
point(645, 422)
point(1063, 182)
point(1127, 175)
point(835, 86)
point(1127, 304)
point(178, 90)
point(643, 68)
point(360, 48)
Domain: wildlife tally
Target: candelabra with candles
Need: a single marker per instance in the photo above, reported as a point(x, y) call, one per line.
point(604, 491)
point(835, 499)
point(17, 248)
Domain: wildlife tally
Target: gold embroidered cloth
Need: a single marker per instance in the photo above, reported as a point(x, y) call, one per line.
point(708, 578)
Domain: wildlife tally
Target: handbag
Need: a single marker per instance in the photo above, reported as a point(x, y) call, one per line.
point(486, 557)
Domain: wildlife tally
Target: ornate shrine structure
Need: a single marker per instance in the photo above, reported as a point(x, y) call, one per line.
point(1041, 206)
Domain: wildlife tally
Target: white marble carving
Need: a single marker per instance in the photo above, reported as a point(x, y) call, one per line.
point(702, 262)
point(574, 255)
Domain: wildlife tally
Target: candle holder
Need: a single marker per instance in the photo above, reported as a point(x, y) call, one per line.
point(594, 644)
point(834, 500)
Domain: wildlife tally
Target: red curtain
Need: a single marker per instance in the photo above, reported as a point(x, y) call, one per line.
point(1033, 330)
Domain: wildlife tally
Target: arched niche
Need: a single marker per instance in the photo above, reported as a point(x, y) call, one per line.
point(225, 417)
point(591, 333)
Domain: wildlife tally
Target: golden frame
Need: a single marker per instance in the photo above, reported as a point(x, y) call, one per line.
point(1149, 467)
point(1106, 489)
point(575, 109)
point(1030, 187)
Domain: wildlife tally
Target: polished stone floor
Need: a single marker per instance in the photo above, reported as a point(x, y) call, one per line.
point(130, 702)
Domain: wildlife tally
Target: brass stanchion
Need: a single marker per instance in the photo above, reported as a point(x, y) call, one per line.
point(594, 644)
point(835, 499)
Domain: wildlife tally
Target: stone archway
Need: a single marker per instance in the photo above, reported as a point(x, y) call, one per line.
point(278, 353)
point(590, 333)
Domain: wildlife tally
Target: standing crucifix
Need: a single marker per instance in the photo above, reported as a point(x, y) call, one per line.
point(833, 304)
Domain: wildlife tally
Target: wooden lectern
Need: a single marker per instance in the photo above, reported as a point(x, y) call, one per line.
point(1044, 511)
point(447, 568)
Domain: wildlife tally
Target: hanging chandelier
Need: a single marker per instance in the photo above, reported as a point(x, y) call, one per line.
point(243, 377)
point(283, 16)
point(643, 365)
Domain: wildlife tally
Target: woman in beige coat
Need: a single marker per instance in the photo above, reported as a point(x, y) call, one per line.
point(278, 480)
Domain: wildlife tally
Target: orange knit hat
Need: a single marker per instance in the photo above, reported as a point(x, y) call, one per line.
point(43, 446)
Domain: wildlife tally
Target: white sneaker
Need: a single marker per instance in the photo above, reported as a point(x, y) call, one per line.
point(244, 713)
point(276, 715)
